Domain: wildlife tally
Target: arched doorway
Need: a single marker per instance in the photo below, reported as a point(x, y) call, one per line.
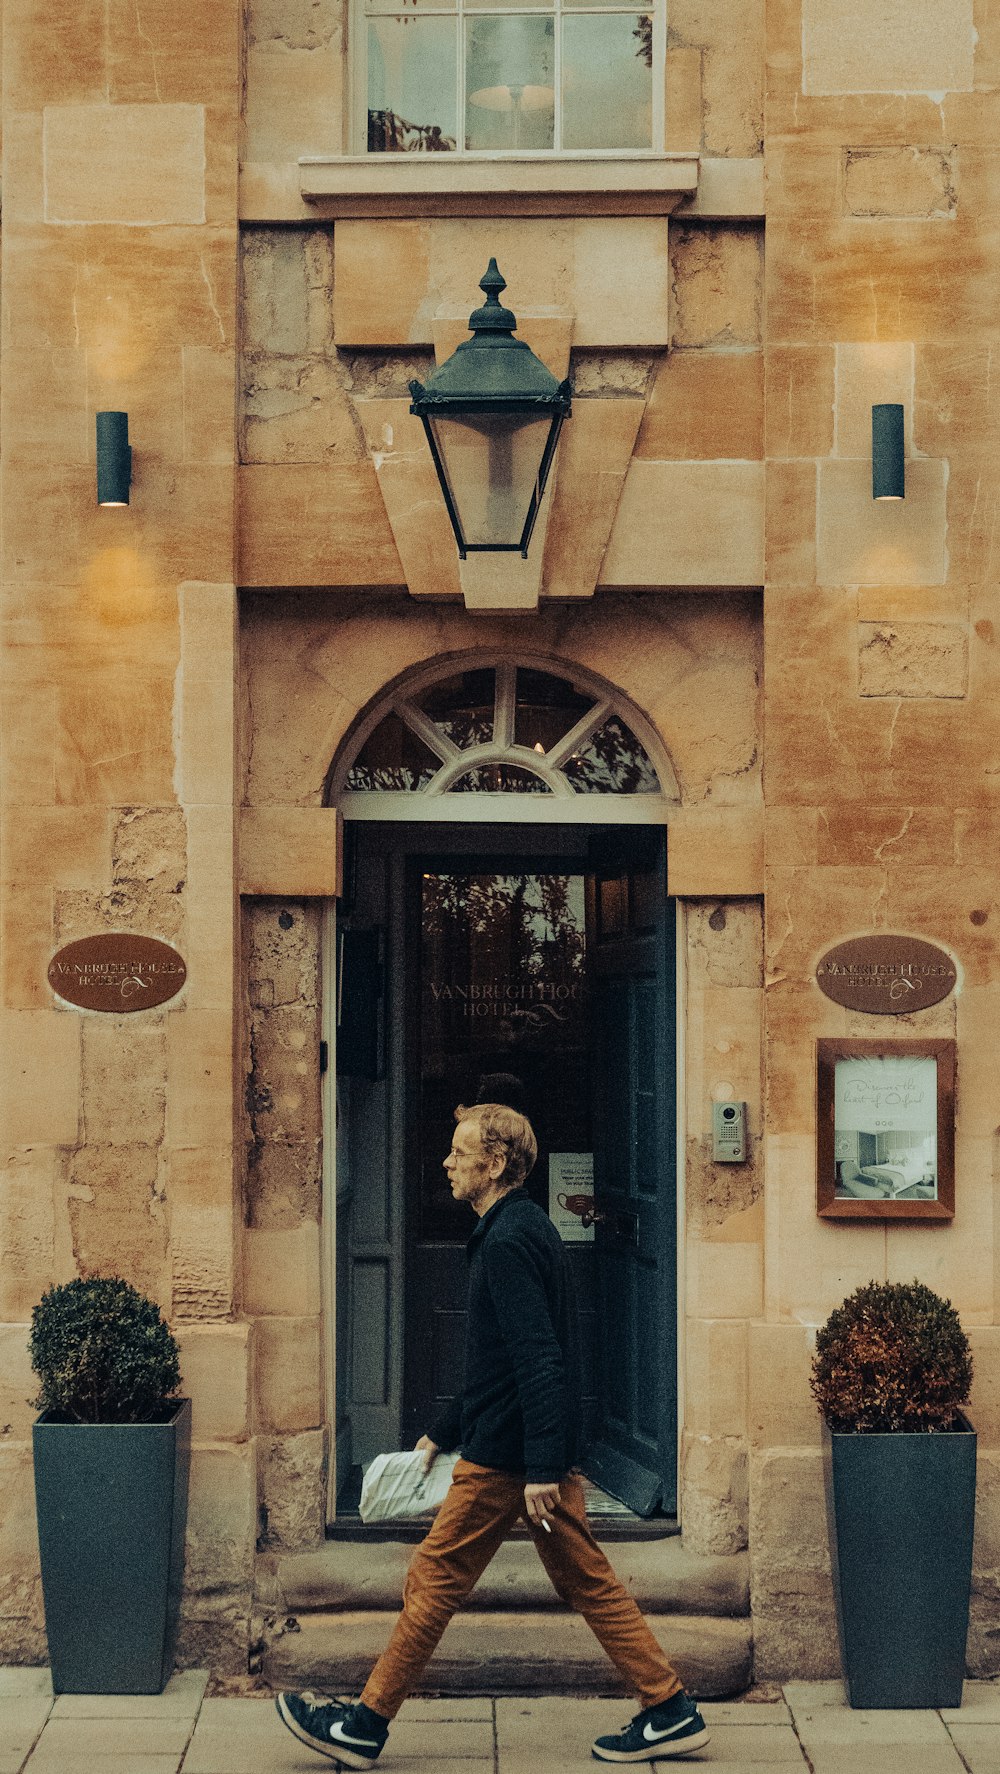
point(505, 910)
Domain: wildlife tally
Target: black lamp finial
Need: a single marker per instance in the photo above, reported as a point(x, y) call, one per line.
point(492, 317)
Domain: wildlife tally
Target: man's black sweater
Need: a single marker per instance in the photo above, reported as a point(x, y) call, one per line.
point(520, 1406)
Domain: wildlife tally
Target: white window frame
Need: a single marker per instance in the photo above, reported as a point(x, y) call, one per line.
point(357, 61)
point(563, 804)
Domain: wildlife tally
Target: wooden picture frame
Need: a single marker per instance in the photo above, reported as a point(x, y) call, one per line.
point(885, 1129)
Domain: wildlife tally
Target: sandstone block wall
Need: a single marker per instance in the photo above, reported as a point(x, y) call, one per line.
point(880, 715)
point(117, 703)
point(835, 745)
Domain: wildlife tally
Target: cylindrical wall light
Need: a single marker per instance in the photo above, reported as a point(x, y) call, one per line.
point(888, 461)
point(114, 459)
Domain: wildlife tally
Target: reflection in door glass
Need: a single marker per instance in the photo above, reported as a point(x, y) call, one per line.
point(502, 989)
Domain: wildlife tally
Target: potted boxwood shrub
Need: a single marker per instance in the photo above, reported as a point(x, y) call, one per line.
point(111, 1456)
point(891, 1372)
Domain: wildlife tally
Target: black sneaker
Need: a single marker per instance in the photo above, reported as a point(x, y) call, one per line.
point(348, 1732)
point(674, 1728)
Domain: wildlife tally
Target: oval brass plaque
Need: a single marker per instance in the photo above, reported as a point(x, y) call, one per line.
point(886, 975)
point(117, 972)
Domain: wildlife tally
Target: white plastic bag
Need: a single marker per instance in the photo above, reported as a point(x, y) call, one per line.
point(396, 1487)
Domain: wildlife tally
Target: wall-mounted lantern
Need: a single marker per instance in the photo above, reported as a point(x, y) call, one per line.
point(888, 457)
point(114, 459)
point(492, 413)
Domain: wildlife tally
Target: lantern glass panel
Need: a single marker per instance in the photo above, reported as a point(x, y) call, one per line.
point(491, 461)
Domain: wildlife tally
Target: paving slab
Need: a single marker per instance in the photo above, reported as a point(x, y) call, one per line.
point(44, 1761)
point(21, 1721)
point(249, 1738)
point(552, 1734)
point(17, 1681)
point(745, 1712)
point(525, 1761)
point(885, 1758)
point(450, 1765)
point(825, 1726)
point(462, 1707)
point(423, 1739)
point(557, 1719)
point(980, 1705)
point(813, 1694)
point(979, 1747)
point(180, 1699)
point(748, 1746)
point(117, 1736)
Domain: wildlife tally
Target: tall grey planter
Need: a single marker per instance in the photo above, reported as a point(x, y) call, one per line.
point(902, 1512)
point(112, 1511)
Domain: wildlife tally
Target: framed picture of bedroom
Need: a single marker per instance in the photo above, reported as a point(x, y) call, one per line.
point(885, 1130)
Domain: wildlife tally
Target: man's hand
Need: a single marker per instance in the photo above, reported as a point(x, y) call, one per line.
point(539, 1501)
point(430, 1448)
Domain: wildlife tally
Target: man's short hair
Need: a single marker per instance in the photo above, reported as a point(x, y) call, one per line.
point(505, 1134)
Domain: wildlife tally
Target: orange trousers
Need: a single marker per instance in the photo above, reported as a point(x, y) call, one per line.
point(479, 1511)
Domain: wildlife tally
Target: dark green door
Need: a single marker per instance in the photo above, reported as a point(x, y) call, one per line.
point(631, 955)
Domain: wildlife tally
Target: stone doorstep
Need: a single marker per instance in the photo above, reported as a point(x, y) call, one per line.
point(507, 1653)
point(663, 1575)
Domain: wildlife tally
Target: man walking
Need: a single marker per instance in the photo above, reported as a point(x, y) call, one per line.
point(517, 1424)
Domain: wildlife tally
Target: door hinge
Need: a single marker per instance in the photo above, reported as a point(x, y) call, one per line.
point(324, 1057)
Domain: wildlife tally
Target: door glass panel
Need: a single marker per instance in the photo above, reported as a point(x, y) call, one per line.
point(612, 763)
point(392, 758)
point(502, 989)
point(462, 707)
point(510, 81)
point(607, 80)
point(411, 85)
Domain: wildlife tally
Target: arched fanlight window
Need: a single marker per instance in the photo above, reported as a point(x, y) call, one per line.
point(556, 747)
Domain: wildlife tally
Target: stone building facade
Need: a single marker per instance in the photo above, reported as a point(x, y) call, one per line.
point(182, 680)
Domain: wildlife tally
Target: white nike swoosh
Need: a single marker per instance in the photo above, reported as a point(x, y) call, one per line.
point(654, 1736)
point(339, 1735)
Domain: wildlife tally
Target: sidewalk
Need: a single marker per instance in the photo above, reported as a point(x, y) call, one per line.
point(182, 1732)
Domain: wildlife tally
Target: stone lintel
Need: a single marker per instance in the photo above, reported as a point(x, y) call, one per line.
point(715, 850)
point(291, 852)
